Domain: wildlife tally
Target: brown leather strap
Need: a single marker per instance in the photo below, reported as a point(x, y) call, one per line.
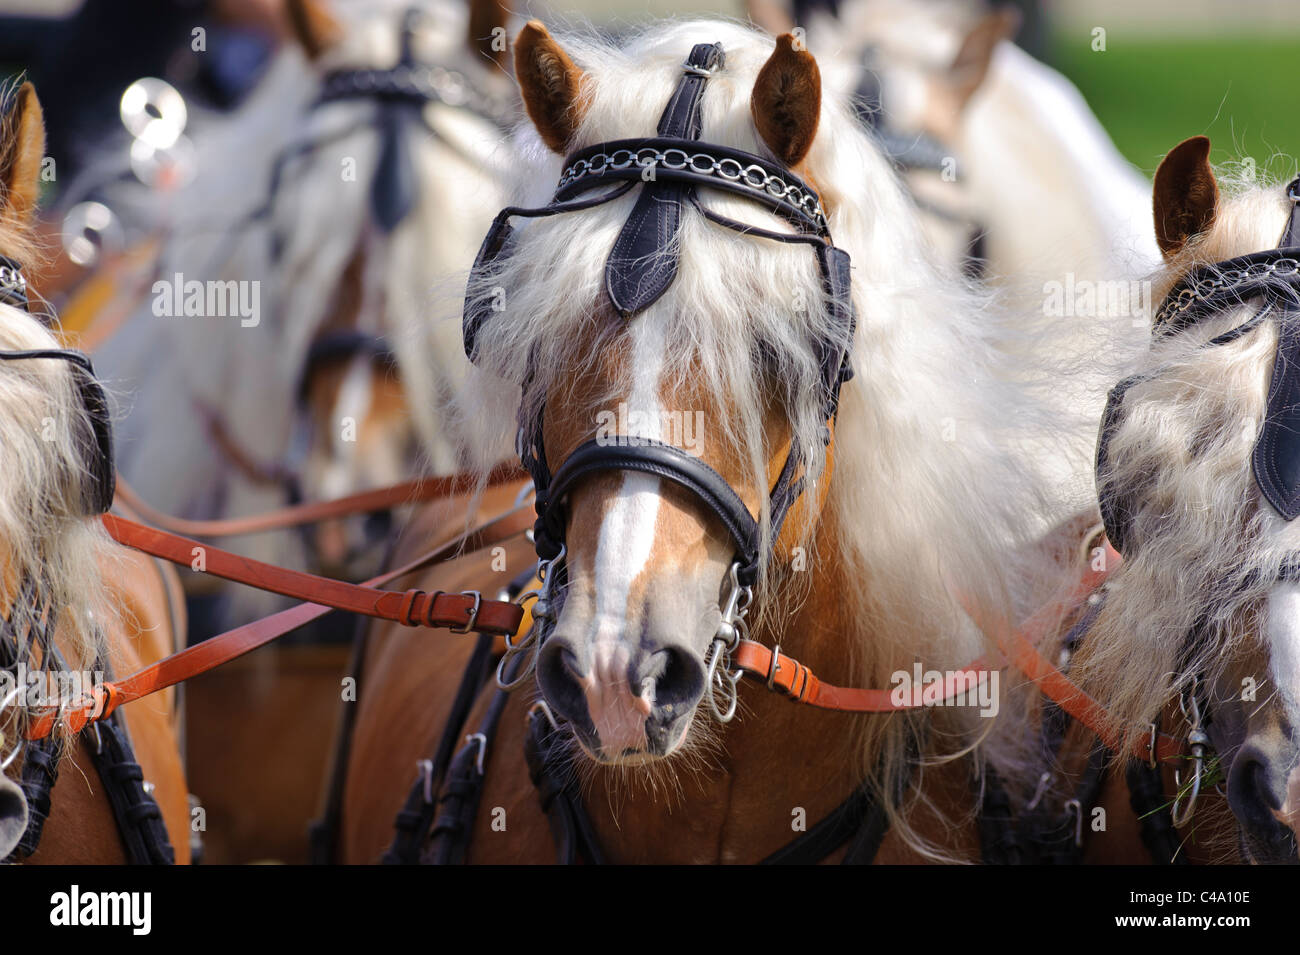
point(787, 675)
point(453, 611)
point(409, 608)
point(364, 502)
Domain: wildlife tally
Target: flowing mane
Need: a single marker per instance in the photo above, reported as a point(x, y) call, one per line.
point(52, 555)
point(935, 485)
point(1211, 547)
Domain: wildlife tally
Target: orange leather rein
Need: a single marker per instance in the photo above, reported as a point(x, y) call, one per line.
point(1019, 647)
point(460, 612)
point(468, 611)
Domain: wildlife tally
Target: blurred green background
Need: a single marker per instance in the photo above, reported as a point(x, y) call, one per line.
point(1152, 91)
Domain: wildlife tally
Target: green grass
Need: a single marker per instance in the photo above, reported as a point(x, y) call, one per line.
point(1152, 93)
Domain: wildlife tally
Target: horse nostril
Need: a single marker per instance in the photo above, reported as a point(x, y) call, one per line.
point(562, 677)
point(1249, 793)
point(678, 677)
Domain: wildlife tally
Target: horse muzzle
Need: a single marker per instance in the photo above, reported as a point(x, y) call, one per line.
point(626, 701)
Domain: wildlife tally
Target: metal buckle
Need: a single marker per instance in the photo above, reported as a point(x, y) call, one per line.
point(1197, 740)
point(473, 614)
point(776, 665)
point(694, 70)
point(482, 749)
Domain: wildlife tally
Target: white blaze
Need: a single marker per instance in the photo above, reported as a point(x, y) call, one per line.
point(623, 549)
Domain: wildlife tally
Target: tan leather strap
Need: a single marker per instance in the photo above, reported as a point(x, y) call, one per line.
point(364, 502)
point(442, 610)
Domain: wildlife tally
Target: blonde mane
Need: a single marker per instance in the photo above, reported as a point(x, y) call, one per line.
point(53, 555)
point(936, 485)
point(1207, 546)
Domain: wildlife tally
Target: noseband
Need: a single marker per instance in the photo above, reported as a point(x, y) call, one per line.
point(98, 451)
point(641, 266)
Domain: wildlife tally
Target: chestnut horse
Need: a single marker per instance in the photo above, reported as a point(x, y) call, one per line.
point(915, 492)
point(74, 603)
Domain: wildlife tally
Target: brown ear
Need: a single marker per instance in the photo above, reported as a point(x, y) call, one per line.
point(487, 29)
point(787, 101)
point(1186, 195)
point(971, 65)
point(769, 15)
point(314, 26)
point(22, 147)
point(551, 85)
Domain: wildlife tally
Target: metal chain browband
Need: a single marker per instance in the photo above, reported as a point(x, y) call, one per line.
point(682, 160)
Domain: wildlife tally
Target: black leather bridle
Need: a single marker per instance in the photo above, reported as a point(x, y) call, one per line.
point(98, 451)
point(640, 268)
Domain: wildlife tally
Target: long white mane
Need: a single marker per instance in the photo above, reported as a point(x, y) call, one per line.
point(45, 540)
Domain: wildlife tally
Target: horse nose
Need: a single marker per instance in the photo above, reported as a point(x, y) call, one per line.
point(1257, 792)
point(13, 815)
point(622, 700)
point(1250, 792)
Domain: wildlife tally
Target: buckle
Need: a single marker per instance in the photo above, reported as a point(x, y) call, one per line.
point(473, 614)
point(776, 665)
point(694, 70)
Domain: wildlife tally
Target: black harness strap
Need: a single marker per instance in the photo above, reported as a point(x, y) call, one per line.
point(546, 754)
point(462, 791)
point(999, 838)
point(1155, 820)
point(139, 817)
point(417, 813)
point(323, 833)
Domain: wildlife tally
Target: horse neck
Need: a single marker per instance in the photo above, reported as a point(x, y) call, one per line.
point(1029, 145)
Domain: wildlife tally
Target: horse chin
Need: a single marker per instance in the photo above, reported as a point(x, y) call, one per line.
point(648, 755)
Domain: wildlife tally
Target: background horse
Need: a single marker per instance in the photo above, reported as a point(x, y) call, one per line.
point(915, 447)
point(63, 579)
point(1002, 153)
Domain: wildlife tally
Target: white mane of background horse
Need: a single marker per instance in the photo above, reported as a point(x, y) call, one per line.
point(462, 160)
point(929, 482)
point(1033, 163)
point(319, 218)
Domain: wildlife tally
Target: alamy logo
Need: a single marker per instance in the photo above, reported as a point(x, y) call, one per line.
point(177, 298)
point(1089, 299)
point(134, 909)
point(49, 689)
point(628, 427)
point(947, 688)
